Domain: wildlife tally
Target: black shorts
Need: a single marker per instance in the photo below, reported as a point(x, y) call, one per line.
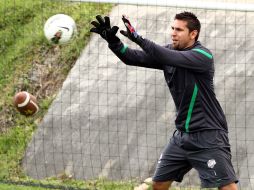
point(208, 152)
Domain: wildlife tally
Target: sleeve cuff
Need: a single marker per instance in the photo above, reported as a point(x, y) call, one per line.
point(123, 49)
point(118, 47)
point(115, 46)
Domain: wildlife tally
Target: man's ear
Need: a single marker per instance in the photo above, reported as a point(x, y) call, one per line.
point(193, 34)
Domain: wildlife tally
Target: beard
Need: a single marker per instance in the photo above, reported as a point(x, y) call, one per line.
point(176, 46)
point(179, 46)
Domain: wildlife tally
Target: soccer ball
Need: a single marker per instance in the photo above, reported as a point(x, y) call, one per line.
point(60, 29)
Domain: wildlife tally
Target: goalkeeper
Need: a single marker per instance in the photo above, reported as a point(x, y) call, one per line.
point(201, 137)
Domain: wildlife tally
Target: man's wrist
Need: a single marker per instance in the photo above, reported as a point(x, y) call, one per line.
point(116, 46)
point(123, 49)
point(113, 40)
point(139, 40)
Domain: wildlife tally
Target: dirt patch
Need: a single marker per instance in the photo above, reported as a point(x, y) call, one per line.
point(47, 77)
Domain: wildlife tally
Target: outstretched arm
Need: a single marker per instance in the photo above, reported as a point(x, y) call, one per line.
point(196, 59)
point(134, 57)
point(128, 56)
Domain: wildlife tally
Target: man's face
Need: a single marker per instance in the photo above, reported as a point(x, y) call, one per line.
point(181, 36)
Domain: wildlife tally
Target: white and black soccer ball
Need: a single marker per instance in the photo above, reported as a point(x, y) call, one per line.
point(60, 29)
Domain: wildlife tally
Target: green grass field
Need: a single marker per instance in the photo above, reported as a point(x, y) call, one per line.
point(18, 187)
point(23, 49)
point(70, 184)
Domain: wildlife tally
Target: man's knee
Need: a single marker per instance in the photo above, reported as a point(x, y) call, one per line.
point(161, 185)
point(231, 186)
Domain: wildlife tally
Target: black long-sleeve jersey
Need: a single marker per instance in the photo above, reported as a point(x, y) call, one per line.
point(189, 75)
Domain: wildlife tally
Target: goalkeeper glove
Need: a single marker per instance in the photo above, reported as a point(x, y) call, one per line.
point(103, 28)
point(131, 32)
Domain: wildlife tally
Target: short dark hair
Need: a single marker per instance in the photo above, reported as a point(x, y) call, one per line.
point(192, 21)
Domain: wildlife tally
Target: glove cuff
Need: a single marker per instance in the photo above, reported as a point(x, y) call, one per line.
point(116, 46)
point(113, 40)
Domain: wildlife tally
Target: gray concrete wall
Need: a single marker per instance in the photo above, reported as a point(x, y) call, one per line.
point(112, 120)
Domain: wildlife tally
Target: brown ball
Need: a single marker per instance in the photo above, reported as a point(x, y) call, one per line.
point(26, 103)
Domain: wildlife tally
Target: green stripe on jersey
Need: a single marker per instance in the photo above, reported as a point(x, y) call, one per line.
point(123, 49)
point(193, 99)
point(204, 53)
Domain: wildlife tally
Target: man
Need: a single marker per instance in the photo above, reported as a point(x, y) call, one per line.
point(201, 137)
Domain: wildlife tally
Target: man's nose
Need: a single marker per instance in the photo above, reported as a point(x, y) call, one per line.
point(173, 32)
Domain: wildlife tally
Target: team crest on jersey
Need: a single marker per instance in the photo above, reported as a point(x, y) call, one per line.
point(211, 163)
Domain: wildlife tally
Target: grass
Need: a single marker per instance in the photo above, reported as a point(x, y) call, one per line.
point(23, 48)
point(99, 184)
point(18, 187)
